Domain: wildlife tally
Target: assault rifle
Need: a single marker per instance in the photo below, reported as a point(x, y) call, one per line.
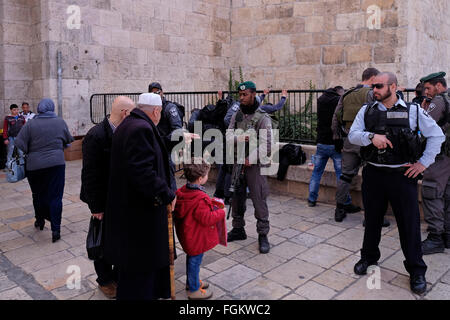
point(236, 179)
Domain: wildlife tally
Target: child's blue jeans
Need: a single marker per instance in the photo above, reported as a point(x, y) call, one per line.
point(193, 271)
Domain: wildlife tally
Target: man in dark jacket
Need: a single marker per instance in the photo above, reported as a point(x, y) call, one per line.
point(138, 195)
point(169, 122)
point(95, 176)
point(326, 104)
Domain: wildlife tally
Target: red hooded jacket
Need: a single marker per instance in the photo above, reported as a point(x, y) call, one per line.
point(195, 221)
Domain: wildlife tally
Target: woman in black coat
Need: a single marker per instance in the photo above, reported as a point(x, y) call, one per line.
point(136, 214)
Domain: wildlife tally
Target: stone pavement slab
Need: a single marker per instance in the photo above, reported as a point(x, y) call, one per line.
point(311, 257)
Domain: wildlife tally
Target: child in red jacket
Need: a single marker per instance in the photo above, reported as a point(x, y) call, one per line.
point(195, 222)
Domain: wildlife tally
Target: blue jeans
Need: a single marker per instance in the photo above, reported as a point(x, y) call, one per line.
point(323, 153)
point(193, 272)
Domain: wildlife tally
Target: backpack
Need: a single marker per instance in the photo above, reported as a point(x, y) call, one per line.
point(353, 103)
point(15, 167)
point(290, 154)
point(212, 115)
point(180, 108)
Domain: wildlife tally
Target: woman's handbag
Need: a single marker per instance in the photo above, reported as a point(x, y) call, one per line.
point(94, 241)
point(15, 167)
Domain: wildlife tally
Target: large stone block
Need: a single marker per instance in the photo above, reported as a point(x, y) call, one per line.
point(309, 55)
point(333, 55)
point(314, 24)
point(359, 53)
point(350, 21)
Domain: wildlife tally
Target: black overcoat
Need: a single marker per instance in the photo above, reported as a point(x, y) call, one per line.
point(138, 194)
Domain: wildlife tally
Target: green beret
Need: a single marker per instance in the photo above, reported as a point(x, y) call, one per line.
point(433, 76)
point(247, 85)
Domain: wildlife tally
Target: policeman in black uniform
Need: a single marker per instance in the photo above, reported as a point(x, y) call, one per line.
point(170, 121)
point(386, 130)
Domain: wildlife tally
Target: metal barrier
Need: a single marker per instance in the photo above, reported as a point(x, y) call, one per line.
point(297, 120)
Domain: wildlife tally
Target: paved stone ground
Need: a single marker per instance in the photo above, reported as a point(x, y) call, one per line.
point(312, 256)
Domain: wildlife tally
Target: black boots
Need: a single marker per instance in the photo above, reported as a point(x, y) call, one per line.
point(434, 243)
point(39, 224)
point(264, 246)
point(361, 266)
point(351, 208)
point(236, 234)
point(56, 236)
point(341, 211)
point(239, 234)
point(418, 284)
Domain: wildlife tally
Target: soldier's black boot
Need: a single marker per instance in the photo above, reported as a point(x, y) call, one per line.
point(351, 208)
point(433, 244)
point(236, 234)
point(264, 246)
point(339, 213)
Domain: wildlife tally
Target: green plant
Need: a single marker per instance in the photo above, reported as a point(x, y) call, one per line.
point(233, 85)
point(301, 124)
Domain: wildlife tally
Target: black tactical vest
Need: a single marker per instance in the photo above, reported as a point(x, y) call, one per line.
point(394, 123)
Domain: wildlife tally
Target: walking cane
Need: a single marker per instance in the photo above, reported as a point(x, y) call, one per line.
point(171, 252)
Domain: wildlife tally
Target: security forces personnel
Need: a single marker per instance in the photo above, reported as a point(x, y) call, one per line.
point(383, 130)
point(436, 179)
point(346, 110)
point(249, 116)
point(170, 121)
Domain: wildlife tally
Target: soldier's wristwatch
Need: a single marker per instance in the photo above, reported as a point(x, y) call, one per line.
point(371, 135)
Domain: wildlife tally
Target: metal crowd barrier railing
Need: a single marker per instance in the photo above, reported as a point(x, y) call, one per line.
point(297, 120)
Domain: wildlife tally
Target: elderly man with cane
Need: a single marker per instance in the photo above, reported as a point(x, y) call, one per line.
point(137, 224)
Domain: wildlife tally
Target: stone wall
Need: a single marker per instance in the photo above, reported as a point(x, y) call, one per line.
point(120, 46)
point(16, 73)
point(288, 43)
point(428, 39)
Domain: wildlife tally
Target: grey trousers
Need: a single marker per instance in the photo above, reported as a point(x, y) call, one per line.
point(259, 190)
point(436, 196)
point(351, 162)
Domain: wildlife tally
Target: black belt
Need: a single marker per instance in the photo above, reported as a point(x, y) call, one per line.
point(390, 170)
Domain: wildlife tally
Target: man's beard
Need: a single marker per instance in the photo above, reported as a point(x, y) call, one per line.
point(250, 109)
point(384, 97)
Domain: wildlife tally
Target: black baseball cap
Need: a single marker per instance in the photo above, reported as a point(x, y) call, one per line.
point(154, 85)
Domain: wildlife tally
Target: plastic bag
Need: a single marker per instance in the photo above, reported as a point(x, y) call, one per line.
point(15, 167)
point(94, 243)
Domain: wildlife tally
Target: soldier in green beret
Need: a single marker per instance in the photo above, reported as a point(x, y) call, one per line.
point(250, 116)
point(436, 178)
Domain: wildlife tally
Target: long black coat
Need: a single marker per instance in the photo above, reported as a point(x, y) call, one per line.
point(138, 193)
point(95, 171)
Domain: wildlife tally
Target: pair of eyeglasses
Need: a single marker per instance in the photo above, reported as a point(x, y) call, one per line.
point(380, 85)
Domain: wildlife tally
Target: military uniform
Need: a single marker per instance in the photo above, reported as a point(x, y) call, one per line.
point(252, 178)
point(256, 182)
point(436, 184)
point(346, 110)
point(384, 179)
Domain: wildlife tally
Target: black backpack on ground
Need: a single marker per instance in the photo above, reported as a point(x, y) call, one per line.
point(290, 154)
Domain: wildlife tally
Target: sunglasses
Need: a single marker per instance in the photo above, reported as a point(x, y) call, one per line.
point(380, 85)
